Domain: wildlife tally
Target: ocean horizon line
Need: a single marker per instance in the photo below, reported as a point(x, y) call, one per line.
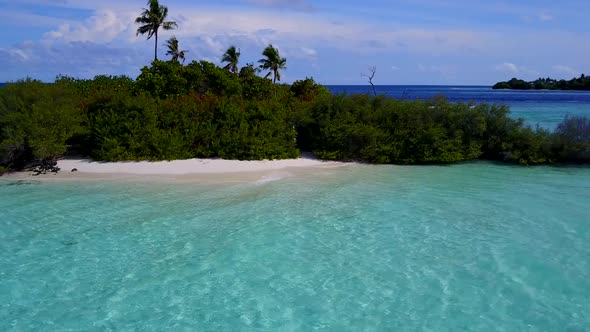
point(376, 85)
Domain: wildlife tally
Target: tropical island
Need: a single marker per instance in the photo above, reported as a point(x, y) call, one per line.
point(580, 83)
point(174, 111)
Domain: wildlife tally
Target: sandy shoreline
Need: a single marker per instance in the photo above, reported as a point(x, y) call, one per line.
point(198, 170)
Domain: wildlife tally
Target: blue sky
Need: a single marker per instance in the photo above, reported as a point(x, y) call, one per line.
point(409, 41)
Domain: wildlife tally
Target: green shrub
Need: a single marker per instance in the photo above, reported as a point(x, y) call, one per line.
point(308, 89)
point(527, 146)
point(36, 121)
point(164, 79)
point(384, 130)
point(145, 128)
point(171, 79)
point(571, 140)
point(100, 84)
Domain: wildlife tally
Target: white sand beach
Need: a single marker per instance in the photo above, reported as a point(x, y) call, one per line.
point(190, 169)
point(184, 167)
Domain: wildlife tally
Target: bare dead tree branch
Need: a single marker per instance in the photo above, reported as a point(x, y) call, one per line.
point(370, 76)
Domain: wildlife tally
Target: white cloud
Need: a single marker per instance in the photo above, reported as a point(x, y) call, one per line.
point(513, 69)
point(213, 45)
point(508, 67)
point(259, 28)
point(103, 27)
point(545, 17)
point(309, 52)
point(15, 54)
point(80, 59)
point(285, 4)
point(565, 70)
point(395, 68)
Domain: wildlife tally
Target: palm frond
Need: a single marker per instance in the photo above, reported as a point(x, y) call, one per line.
point(169, 25)
point(154, 17)
point(154, 6)
point(264, 63)
point(142, 30)
point(270, 52)
point(143, 18)
point(232, 57)
point(272, 62)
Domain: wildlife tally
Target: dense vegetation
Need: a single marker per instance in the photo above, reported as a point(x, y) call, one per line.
point(580, 83)
point(175, 111)
point(172, 111)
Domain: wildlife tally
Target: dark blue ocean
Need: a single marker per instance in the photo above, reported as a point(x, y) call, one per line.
point(543, 107)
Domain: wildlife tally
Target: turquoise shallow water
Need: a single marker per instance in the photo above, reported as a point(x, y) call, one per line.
point(548, 115)
point(475, 247)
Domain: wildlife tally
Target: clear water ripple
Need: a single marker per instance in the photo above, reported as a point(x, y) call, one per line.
point(476, 247)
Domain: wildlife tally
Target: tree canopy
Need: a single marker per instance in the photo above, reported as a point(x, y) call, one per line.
point(174, 51)
point(231, 57)
point(272, 62)
point(151, 19)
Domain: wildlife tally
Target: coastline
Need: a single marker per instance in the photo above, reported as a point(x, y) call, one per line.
point(189, 170)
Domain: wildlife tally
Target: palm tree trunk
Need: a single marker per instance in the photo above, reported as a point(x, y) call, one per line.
point(274, 82)
point(156, 46)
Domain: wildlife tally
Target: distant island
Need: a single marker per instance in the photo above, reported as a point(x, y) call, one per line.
point(580, 83)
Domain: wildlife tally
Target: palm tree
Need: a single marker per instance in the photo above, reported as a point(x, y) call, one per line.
point(151, 20)
point(273, 62)
point(232, 57)
point(172, 45)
